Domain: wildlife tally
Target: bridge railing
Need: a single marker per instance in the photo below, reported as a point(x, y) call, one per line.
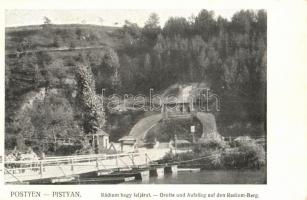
point(17, 167)
point(79, 158)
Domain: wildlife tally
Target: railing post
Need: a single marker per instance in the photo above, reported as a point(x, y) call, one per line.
point(117, 160)
point(132, 155)
point(97, 163)
point(41, 168)
point(72, 165)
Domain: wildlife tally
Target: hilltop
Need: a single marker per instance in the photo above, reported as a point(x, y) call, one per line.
point(64, 35)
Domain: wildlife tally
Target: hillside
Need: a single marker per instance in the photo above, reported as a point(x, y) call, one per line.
point(55, 36)
point(229, 56)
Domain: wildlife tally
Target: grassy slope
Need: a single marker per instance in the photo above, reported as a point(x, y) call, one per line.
point(37, 36)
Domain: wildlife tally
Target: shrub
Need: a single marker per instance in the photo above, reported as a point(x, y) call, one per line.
point(10, 142)
point(247, 155)
point(213, 144)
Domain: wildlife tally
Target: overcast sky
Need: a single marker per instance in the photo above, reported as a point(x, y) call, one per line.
point(99, 17)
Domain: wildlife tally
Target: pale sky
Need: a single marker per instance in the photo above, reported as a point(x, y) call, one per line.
point(99, 17)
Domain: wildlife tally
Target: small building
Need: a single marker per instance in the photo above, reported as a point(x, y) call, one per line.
point(99, 141)
point(127, 143)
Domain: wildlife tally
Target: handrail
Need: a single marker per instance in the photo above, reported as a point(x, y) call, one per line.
point(75, 158)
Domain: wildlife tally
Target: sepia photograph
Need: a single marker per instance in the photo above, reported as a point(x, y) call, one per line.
point(141, 96)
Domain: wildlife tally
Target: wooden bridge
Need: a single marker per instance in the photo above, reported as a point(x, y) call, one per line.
point(62, 169)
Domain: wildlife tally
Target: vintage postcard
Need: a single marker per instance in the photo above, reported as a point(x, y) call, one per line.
point(182, 102)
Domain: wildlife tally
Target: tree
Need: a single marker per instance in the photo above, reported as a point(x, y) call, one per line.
point(152, 28)
point(47, 25)
point(47, 21)
point(147, 63)
point(176, 26)
point(110, 59)
point(205, 24)
point(261, 24)
point(127, 73)
point(152, 22)
point(132, 28)
point(53, 116)
point(243, 21)
point(91, 105)
point(204, 62)
point(109, 69)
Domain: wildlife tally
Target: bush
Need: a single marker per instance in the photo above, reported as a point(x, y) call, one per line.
point(247, 155)
point(10, 142)
point(66, 150)
point(207, 147)
point(213, 144)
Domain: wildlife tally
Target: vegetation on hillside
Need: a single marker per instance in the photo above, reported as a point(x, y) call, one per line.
point(230, 55)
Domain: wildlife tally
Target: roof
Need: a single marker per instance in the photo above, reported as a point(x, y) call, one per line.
point(127, 138)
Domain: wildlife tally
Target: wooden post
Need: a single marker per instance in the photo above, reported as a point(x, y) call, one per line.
point(41, 168)
point(97, 163)
point(175, 141)
point(133, 159)
point(116, 160)
point(72, 165)
point(55, 141)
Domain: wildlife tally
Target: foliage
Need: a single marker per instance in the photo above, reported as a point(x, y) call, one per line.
point(151, 28)
point(230, 55)
point(177, 26)
point(247, 155)
point(90, 104)
point(53, 117)
point(47, 20)
point(86, 148)
point(212, 144)
point(66, 150)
